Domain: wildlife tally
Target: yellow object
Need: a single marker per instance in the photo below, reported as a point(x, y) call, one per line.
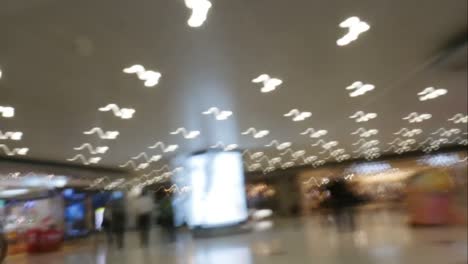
point(434, 180)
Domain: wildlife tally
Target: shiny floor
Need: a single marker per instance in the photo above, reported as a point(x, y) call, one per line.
point(379, 237)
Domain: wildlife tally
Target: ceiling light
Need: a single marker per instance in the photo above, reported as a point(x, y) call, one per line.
point(359, 88)
point(360, 116)
point(15, 151)
point(7, 111)
point(269, 84)
point(124, 113)
point(414, 117)
point(405, 132)
point(431, 93)
point(92, 150)
point(279, 146)
point(12, 135)
point(315, 134)
point(255, 133)
point(219, 115)
point(102, 134)
point(135, 167)
point(297, 115)
point(161, 145)
point(459, 118)
point(365, 133)
point(92, 160)
point(229, 147)
point(151, 78)
point(253, 156)
point(187, 134)
point(154, 158)
point(355, 28)
point(200, 10)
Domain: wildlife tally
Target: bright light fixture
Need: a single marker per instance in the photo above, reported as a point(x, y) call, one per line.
point(92, 150)
point(187, 134)
point(200, 10)
point(151, 78)
point(415, 117)
point(355, 28)
point(15, 151)
point(269, 84)
point(162, 146)
point(315, 134)
point(459, 118)
point(298, 115)
point(219, 115)
point(405, 132)
point(7, 111)
point(255, 133)
point(91, 160)
point(365, 132)
point(12, 135)
point(431, 93)
point(102, 134)
point(279, 146)
point(124, 113)
point(359, 88)
point(361, 116)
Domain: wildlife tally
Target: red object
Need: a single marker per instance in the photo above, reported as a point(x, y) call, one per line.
point(44, 240)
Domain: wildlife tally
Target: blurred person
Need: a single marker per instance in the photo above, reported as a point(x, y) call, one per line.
point(144, 208)
point(118, 222)
point(107, 224)
point(342, 201)
point(166, 217)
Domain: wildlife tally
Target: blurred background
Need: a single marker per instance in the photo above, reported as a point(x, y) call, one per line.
point(214, 131)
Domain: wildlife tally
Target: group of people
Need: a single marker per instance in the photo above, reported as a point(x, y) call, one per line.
point(115, 219)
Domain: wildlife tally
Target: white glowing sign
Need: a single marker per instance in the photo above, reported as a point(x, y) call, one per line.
point(269, 84)
point(218, 193)
point(355, 28)
point(93, 150)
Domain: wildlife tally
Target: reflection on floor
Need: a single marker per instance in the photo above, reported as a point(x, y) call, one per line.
point(380, 237)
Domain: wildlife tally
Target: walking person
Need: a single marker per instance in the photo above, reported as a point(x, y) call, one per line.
point(145, 206)
point(118, 219)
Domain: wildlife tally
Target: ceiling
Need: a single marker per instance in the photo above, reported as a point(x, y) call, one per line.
point(62, 60)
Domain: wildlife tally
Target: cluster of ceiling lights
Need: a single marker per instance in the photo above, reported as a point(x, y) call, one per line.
point(9, 112)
